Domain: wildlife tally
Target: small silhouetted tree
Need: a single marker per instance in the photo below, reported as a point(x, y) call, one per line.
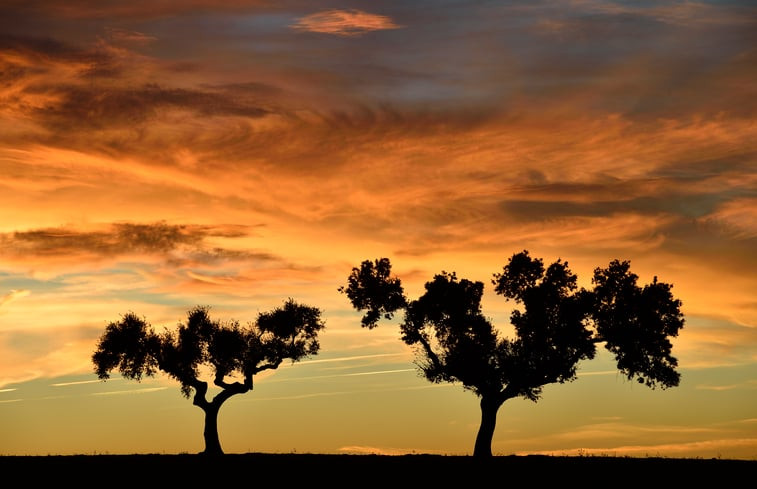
point(556, 326)
point(229, 351)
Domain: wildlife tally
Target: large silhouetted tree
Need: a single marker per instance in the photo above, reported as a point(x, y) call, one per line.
point(556, 323)
point(232, 353)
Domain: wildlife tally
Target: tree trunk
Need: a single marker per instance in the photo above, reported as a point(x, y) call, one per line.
point(212, 443)
point(483, 447)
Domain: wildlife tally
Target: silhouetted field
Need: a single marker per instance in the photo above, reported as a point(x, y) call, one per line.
point(295, 470)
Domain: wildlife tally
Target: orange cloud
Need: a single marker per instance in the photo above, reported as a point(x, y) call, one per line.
point(177, 244)
point(344, 22)
point(737, 217)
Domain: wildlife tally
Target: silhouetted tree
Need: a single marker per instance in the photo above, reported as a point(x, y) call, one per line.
point(226, 350)
point(556, 325)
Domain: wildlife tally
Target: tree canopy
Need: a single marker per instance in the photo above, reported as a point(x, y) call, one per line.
point(232, 352)
point(556, 323)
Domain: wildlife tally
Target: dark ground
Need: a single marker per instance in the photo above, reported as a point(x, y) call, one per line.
point(421, 471)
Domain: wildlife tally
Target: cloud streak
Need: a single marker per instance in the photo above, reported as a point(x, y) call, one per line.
point(745, 385)
point(180, 243)
point(138, 9)
point(120, 107)
point(13, 295)
point(151, 256)
point(117, 34)
point(712, 448)
point(146, 390)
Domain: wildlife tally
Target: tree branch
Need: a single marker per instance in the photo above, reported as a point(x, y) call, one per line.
point(237, 387)
point(201, 388)
point(231, 389)
point(509, 392)
point(267, 366)
point(429, 351)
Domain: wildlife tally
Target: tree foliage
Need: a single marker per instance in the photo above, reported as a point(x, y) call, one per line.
point(371, 289)
point(636, 324)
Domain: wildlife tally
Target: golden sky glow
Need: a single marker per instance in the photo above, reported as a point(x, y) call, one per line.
point(160, 155)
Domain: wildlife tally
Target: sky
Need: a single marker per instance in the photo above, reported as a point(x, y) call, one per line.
point(158, 155)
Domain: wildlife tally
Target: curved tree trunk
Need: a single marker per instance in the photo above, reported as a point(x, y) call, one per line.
point(483, 447)
point(210, 433)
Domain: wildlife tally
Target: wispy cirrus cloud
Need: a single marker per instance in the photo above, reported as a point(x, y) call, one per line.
point(13, 295)
point(120, 35)
point(145, 390)
point(730, 438)
point(750, 384)
point(80, 382)
point(737, 217)
point(132, 106)
point(347, 23)
point(617, 429)
point(712, 343)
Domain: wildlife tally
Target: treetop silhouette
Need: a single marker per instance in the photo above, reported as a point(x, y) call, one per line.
point(229, 350)
point(556, 326)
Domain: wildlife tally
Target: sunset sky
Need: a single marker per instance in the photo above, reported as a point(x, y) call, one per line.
point(162, 154)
